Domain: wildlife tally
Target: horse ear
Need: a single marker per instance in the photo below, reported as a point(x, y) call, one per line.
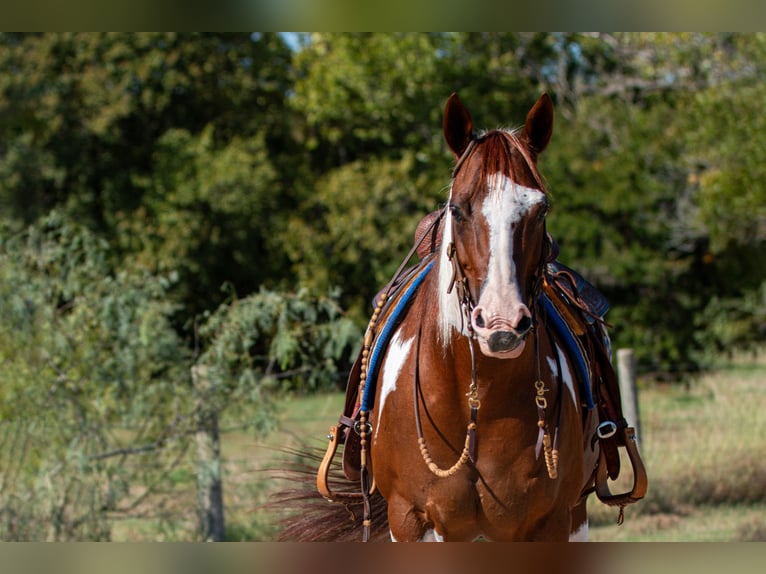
point(539, 125)
point(457, 125)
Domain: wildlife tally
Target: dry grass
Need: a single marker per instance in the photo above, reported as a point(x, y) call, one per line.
point(704, 444)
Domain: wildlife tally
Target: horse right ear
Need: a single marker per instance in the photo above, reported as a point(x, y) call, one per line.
point(457, 125)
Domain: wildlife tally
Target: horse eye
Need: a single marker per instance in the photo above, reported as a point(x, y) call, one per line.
point(457, 213)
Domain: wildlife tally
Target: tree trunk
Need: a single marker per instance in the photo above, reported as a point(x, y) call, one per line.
point(209, 483)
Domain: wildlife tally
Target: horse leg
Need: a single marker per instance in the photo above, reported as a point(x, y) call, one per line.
point(430, 536)
point(406, 524)
point(579, 529)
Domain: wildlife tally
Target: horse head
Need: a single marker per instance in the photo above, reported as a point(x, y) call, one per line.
point(495, 241)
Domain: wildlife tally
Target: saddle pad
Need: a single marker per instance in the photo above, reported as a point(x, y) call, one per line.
point(563, 330)
point(572, 346)
point(384, 336)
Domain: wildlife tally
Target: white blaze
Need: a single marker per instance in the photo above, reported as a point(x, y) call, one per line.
point(506, 204)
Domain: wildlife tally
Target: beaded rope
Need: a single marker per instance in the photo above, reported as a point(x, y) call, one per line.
point(363, 424)
point(470, 433)
point(432, 466)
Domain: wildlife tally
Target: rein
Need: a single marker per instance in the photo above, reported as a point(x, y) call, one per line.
point(363, 427)
point(459, 283)
point(469, 447)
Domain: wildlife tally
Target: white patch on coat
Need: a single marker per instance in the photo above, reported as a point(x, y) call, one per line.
point(431, 535)
point(581, 535)
point(566, 374)
point(398, 351)
point(451, 318)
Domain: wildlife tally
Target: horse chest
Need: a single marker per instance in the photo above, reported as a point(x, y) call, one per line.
point(501, 496)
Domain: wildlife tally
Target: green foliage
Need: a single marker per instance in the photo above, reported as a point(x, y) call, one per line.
point(268, 343)
point(616, 219)
point(659, 199)
point(95, 391)
point(361, 93)
point(102, 125)
point(91, 372)
point(229, 158)
point(207, 215)
point(364, 219)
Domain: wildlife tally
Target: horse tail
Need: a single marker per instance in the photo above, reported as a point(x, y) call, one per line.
point(303, 515)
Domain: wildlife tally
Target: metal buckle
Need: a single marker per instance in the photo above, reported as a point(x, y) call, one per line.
point(358, 428)
point(606, 429)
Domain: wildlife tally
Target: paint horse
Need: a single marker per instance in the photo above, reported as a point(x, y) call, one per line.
point(483, 404)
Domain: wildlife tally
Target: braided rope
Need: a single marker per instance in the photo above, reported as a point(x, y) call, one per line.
point(464, 455)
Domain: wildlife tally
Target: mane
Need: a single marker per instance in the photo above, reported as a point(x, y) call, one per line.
point(497, 148)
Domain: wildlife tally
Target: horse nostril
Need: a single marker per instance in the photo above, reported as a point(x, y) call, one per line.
point(479, 320)
point(524, 324)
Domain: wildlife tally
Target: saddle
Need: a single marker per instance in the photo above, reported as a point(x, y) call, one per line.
point(581, 308)
point(578, 308)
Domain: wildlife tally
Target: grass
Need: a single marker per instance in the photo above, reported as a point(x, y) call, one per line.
point(703, 444)
point(303, 420)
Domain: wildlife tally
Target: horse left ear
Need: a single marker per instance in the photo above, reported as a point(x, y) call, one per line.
point(539, 125)
point(457, 125)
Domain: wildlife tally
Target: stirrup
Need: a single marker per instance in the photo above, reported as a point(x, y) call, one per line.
point(640, 481)
point(322, 486)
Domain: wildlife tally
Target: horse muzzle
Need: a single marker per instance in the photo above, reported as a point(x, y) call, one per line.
point(501, 338)
point(504, 341)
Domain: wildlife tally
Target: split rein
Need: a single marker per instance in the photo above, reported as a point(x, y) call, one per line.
point(459, 283)
point(469, 447)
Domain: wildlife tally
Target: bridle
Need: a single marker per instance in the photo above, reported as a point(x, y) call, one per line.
point(460, 285)
point(459, 281)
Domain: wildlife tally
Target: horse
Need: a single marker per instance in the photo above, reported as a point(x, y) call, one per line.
point(475, 417)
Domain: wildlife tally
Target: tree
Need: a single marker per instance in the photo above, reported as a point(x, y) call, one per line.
point(91, 123)
point(643, 179)
point(92, 368)
point(254, 349)
point(98, 406)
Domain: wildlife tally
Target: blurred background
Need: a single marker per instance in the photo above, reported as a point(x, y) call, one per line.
point(192, 227)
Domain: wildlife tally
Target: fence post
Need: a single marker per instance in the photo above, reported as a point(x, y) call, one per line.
point(626, 371)
point(209, 482)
